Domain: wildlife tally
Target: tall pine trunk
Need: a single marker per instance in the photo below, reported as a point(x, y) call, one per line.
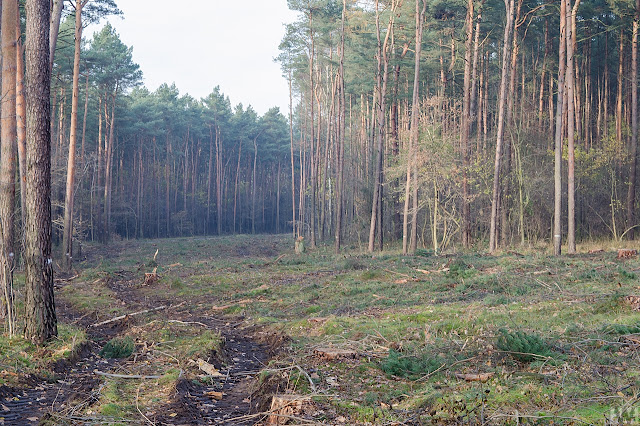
point(67, 234)
point(571, 119)
point(341, 137)
point(8, 153)
point(493, 243)
point(560, 106)
point(40, 314)
point(631, 195)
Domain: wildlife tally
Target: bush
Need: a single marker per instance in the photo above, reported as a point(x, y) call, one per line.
point(522, 346)
point(119, 347)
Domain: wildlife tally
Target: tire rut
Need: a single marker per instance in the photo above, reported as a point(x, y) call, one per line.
point(76, 387)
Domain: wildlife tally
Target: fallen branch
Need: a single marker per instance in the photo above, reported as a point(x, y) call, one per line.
point(125, 376)
point(445, 367)
point(120, 317)
point(313, 386)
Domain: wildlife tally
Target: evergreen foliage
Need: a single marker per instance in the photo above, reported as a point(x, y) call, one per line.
point(118, 347)
point(522, 346)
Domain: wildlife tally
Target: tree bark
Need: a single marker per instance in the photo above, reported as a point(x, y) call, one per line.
point(8, 153)
point(40, 314)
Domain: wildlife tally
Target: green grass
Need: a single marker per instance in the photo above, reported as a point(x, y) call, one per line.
point(19, 357)
point(406, 316)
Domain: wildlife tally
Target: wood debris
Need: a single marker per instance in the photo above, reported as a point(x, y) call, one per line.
point(151, 277)
point(627, 253)
point(633, 301)
point(208, 368)
point(482, 377)
point(118, 318)
point(330, 354)
point(214, 395)
point(283, 407)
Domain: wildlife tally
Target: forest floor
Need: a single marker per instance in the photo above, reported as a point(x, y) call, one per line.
point(240, 330)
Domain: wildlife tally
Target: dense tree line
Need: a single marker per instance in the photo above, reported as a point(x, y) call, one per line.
point(435, 93)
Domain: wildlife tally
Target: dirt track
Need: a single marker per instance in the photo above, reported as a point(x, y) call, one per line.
point(77, 387)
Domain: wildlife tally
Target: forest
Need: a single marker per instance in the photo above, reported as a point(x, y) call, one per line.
point(473, 157)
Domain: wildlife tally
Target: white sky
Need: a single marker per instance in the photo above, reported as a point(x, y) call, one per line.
point(200, 44)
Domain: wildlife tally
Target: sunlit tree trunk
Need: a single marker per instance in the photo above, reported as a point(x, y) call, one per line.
point(8, 153)
point(570, 82)
point(21, 112)
point(67, 235)
point(341, 137)
point(54, 29)
point(466, 126)
point(631, 195)
point(560, 102)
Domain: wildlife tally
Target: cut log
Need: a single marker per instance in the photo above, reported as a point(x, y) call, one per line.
point(284, 407)
point(330, 354)
point(483, 377)
point(627, 253)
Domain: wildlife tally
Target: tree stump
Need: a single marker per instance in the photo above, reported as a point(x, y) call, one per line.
point(299, 245)
point(284, 407)
point(627, 253)
point(150, 278)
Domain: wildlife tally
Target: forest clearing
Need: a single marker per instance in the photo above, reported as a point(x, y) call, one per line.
point(429, 216)
point(356, 338)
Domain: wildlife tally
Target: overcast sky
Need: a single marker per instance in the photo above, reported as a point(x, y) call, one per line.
point(200, 44)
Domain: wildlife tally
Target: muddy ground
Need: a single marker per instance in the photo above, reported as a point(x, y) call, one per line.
point(67, 396)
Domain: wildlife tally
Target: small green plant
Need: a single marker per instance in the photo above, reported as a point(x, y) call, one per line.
point(424, 252)
point(459, 269)
point(369, 275)
point(626, 274)
point(118, 347)
point(522, 346)
point(410, 366)
point(351, 264)
point(611, 303)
